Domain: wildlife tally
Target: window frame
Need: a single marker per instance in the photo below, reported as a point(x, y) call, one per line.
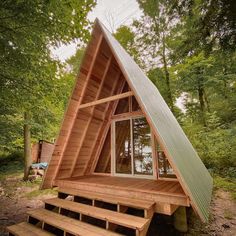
point(113, 151)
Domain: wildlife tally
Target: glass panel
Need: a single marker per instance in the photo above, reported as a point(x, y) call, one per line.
point(142, 147)
point(165, 169)
point(123, 147)
point(104, 161)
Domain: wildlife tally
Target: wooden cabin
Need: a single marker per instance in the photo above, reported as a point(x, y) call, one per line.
point(42, 151)
point(119, 148)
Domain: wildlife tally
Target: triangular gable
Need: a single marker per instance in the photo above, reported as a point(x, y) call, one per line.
point(191, 172)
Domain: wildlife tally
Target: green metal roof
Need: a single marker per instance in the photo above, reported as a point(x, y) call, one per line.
point(192, 174)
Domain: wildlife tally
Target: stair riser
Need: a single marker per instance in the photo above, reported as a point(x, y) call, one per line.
point(181, 201)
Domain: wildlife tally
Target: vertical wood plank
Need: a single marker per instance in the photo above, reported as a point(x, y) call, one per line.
point(154, 154)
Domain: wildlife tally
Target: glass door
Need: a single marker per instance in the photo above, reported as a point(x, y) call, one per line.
point(123, 160)
point(142, 150)
point(132, 148)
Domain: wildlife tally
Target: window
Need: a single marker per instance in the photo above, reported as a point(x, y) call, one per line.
point(133, 152)
point(142, 150)
point(123, 147)
point(164, 168)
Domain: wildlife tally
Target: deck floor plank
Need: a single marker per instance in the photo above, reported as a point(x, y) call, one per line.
point(142, 185)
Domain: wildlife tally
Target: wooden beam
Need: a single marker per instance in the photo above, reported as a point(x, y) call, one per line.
point(91, 117)
point(127, 115)
point(104, 128)
point(154, 155)
point(79, 102)
point(108, 99)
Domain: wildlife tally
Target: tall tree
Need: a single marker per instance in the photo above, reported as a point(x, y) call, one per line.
point(28, 72)
point(126, 36)
point(154, 29)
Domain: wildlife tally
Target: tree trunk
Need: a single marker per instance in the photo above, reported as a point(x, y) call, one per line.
point(27, 146)
point(202, 103)
point(167, 75)
point(206, 100)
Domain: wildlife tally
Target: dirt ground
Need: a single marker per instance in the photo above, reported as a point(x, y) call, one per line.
point(17, 198)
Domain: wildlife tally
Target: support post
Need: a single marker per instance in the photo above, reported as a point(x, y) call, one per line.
point(180, 219)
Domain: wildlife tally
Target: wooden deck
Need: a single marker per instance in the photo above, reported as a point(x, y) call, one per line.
point(160, 191)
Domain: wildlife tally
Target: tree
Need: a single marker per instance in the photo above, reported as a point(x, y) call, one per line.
point(194, 76)
point(154, 30)
point(212, 23)
point(126, 38)
point(28, 77)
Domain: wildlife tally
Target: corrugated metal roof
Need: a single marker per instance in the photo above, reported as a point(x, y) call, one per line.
point(191, 172)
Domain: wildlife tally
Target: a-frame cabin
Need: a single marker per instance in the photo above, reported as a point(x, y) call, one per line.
point(119, 145)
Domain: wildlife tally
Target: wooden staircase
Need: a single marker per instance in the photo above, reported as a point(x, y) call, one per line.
point(76, 212)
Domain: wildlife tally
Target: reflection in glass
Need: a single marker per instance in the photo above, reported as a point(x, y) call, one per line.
point(142, 147)
point(165, 169)
point(123, 147)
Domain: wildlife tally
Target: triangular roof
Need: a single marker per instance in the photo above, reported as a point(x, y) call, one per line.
point(191, 172)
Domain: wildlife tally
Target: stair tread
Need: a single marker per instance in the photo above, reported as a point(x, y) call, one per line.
point(68, 224)
point(24, 228)
point(122, 219)
point(140, 204)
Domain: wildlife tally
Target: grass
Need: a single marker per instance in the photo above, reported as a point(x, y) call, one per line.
point(228, 215)
point(11, 169)
point(11, 165)
point(37, 193)
point(227, 184)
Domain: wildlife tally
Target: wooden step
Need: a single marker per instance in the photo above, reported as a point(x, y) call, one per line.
point(24, 229)
point(68, 224)
point(129, 202)
point(117, 218)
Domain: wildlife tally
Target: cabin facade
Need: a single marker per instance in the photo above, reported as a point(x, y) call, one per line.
point(119, 147)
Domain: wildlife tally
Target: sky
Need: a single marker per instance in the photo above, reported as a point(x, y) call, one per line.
point(112, 13)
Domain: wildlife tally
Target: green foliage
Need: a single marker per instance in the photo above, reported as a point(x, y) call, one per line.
point(126, 38)
point(29, 75)
point(206, 24)
point(215, 144)
point(11, 164)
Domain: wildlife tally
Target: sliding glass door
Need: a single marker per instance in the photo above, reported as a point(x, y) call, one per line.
point(132, 148)
point(123, 161)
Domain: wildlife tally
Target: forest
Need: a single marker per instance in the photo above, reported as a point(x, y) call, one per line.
point(186, 47)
